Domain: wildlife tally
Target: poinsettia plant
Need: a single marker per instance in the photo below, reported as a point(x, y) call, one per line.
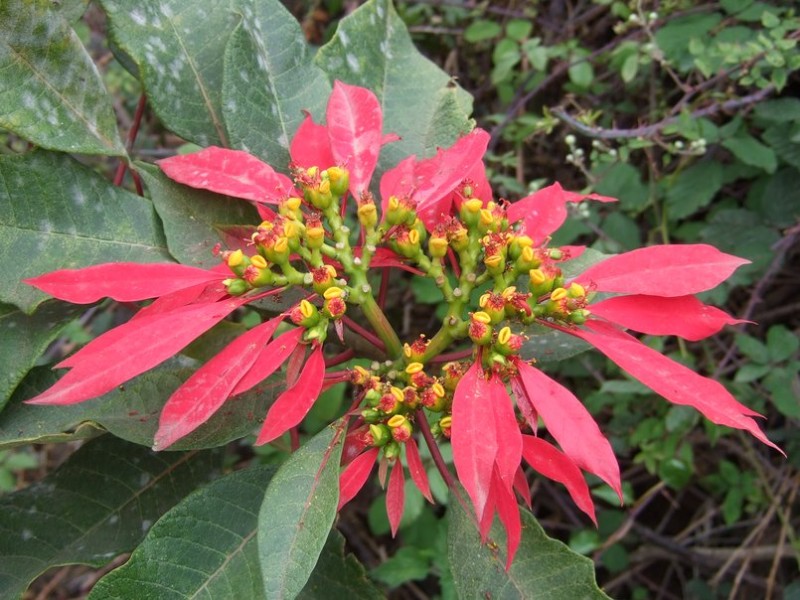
point(437, 219)
point(354, 202)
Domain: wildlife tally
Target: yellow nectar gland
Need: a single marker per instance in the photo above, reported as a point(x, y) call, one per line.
point(293, 203)
point(307, 310)
point(333, 292)
point(504, 335)
point(474, 205)
point(396, 421)
point(235, 258)
point(361, 372)
point(558, 294)
point(493, 261)
point(576, 290)
point(487, 218)
point(482, 317)
point(508, 293)
point(281, 245)
point(438, 389)
point(397, 393)
point(446, 422)
point(258, 261)
point(537, 276)
point(414, 367)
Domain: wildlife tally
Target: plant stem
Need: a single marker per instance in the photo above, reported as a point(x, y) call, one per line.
point(382, 327)
point(422, 422)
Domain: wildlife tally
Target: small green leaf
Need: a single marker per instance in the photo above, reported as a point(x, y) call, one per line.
point(193, 218)
point(407, 564)
point(581, 74)
point(56, 213)
point(782, 343)
point(630, 67)
point(519, 29)
point(623, 181)
point(694, 188)
point(52, 94)
point(752, 152)
point(97, 505)
point(178, 47)
point(751, 372)
point(204, 547)
point(543, 568)
point(25, 338)
point(752, 349)
point(269, 81)
point(783, 384)
point(480, 30)
point(297, 513)
point(372, 48)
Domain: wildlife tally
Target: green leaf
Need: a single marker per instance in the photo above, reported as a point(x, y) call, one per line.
point(623, 181)
point(372, 48)
point(269, 80)
point(548, 345)
point(543, 568)
point(630, 67)
point(779, 110)
point(481, 30)
point(56, 213)
point(297, 513)
point(674, 37)
point(205, 547)
point(782, 343)
point(752, 349)
point(581, 74)
point(193, 218)
point(783, 384)
point(25, 338)
point(51, 93)
point(130, 412)
point(519, 29)
point(752, 152)
point(97, 505)
point(782, 139)
point(338, 576)
point(694, 188)
point(178, 47)
point(407, 564)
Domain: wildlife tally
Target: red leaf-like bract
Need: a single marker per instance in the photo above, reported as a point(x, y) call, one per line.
point(230, 172)
point(355, 475)
point(684, 316)
point(508, 509)
point(203, 293)
point(200, 396)
point(473, 435)
point(395, 497)
point(571, 425)
point(355, 126)
point(417, 470)
point(673, 381)
point(507, 433)
point(269, 360)
point(131, 349)
point(310, 146)
point(554, 464)
point(544, 211)
point(669, 270)
point(521, 486)
point(124, 282)
point(439, 176)
point(293, 405)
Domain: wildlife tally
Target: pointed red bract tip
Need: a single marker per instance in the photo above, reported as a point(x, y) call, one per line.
point(395, 497)
point(355, 475)
point(293, 405)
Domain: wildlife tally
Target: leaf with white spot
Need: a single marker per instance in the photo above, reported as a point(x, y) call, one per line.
point(56, 213)
point(50, 91)
point(269, 81)
point(97, 505)
point(372, 48)
point(178, 47)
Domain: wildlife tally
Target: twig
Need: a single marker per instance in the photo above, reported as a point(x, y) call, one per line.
point(132, 133)
point(422, 422)
point(647, 131)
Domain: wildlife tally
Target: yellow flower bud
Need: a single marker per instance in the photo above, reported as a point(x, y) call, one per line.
point(333, 292)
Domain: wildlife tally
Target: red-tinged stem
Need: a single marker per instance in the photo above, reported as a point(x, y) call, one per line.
point(458, 355)
point(341, 375)
point(422, 422)
point(294, 439)
point(137, 182)
point(384, 289)
point(134, 131)
point(340, 358)
point(453, 262)
point(367, 335)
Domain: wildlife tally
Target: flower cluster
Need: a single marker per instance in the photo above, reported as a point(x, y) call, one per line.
point(472, 381)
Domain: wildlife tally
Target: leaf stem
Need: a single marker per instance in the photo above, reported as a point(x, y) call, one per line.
point(382, 327)
point(422, 422)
